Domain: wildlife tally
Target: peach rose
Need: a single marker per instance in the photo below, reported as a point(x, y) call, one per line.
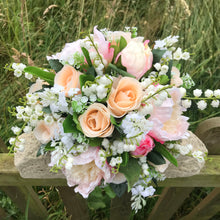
point(43, 132)
point(137, 58)
point(68, 78)
point(125, 96)
point(95, 121)
point(176, 80)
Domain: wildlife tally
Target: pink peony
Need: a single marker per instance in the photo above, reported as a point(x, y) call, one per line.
point(146, 145)
point(169, 124)
point(103, 45)
point(87, 172)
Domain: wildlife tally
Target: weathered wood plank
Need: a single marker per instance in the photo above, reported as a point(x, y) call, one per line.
point(209, 132)
point(207, 208)
point(169, 201)
point(208, 177)
point(75, 205)
point(20, 195)
point(121, 207)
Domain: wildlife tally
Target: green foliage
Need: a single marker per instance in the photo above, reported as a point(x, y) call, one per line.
point(85, 78)
point(163, 151)
point(157, 55)
point(164, 79)
point(156, 158)
point(132, 172)
point(86, 54)
point(44, 148)
point(119, 189)
point(55, 65)
point(46, 76)
point(68, 125)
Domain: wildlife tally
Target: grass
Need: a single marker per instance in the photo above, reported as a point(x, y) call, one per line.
point(30, 30)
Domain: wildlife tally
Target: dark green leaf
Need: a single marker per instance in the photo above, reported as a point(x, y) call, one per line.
point(55, 65)
point(96, 199)
point(157, 55)
point(132, 172)
point(46, 110)
point(155, 158)
point(44, 148)
point(163, 151)
point(125, 158)
point(109, 191)
point(164, 79)
point(86, 54)
point(46, 76)
point(117, 125)
point(170, 65)
point(155, 181)
point(91, 71)
point(95, 142)
point(119, 189)
point(121, 72)
point(68, 125)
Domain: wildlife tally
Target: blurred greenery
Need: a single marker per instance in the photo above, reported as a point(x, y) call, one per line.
point(30, 30)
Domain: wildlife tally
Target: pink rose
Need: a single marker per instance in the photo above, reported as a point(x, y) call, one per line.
point(136, 57)
point(146, 145)
point(87, 172)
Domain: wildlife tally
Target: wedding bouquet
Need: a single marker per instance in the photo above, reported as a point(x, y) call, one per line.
point(110, 111)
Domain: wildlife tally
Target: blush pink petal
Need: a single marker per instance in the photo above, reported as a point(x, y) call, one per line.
point(87, 172)
point(104, 46)
point(169, 126)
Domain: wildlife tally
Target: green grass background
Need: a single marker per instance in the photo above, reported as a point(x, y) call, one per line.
point(32, 29)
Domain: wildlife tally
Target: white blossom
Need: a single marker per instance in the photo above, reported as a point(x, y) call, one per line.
point(208, 93)
point(217, 93)
point(202, 105)
point(197, 92)
point(215, 103)
point(185, 56)
point(186, 103)
point(177, 55)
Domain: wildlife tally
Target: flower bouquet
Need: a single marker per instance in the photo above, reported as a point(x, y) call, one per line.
point(109, 112)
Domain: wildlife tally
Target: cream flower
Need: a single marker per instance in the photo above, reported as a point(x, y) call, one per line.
point(95, 121)
point(68, 78)
point(125, 96)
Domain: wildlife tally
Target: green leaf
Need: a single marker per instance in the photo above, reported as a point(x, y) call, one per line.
point(55, 65)
point(122, 43)
point(84, 78)
point(96, 199)
point(68, 125)
point(110, 192)
point(46, 110)
point(170, 65)
point(46, 76)
point(132, 172)
point(95, 142)
point(121, 72)
point(91, 71)
point(117, 125)
point(119, 189)
point(44, 148)
point(157, 55)
point(163, 151)
point(125, 158)
point(155, 158)
point(86, 54)
point(164, 79)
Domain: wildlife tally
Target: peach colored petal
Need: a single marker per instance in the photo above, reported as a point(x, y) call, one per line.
point(43, 132)
point(176, 80)
point(67, 77)
point(125, 96)
point(95, 121)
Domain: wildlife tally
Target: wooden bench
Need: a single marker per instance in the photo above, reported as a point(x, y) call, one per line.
point(173, 195)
